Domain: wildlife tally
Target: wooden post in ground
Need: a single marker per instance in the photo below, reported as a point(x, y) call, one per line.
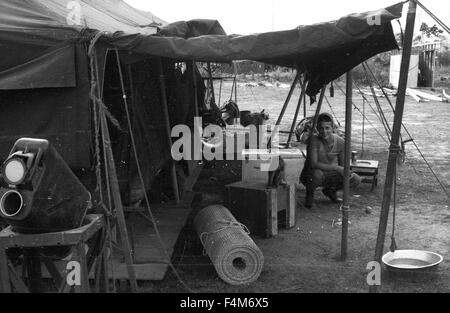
point(396, 128)
point(348, 151)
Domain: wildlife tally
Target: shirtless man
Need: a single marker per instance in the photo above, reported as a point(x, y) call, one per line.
point(324, 164)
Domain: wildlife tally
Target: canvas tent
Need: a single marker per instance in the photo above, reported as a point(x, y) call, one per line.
point(45, 69)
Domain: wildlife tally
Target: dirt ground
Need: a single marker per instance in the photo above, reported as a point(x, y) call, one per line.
point(307, 258)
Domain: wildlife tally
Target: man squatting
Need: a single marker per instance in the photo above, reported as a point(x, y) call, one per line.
point(324, 166)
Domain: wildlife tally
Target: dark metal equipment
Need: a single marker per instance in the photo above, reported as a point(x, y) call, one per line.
point(39, 193)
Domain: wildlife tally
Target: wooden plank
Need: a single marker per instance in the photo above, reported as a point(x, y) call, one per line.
point(147, 245)
point(10, 238)
point(150, 271)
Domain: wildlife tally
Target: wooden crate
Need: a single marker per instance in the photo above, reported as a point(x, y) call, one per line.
point(260, 208)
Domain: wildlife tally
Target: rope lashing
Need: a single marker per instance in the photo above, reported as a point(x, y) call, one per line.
point(396, 149)
point(226, 225)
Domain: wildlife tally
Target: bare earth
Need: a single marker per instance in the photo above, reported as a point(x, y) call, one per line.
point(307, 258)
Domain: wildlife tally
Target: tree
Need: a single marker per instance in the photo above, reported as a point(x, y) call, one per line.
point(430, 31)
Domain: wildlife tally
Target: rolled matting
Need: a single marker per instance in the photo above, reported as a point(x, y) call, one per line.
point(235, 256)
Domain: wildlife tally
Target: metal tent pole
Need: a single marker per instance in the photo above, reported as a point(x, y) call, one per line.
point(396, 128)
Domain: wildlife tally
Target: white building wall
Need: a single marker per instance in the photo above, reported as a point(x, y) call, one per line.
point(394, 73)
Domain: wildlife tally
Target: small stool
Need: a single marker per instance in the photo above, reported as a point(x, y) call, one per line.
point(257, 206)
point(368, 170)
point(31, 243)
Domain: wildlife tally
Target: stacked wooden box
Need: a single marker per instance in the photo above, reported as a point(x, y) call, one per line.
point(260, 207)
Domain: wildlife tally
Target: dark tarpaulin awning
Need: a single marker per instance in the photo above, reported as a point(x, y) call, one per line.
point(324, 51)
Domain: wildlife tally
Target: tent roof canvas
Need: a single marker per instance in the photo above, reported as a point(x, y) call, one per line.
point(322, 51)
point(104, 15)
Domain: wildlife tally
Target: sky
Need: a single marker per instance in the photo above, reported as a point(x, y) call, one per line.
point(256, 16)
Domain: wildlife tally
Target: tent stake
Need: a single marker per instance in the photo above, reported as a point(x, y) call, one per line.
point(348, 149)
point(396, 128)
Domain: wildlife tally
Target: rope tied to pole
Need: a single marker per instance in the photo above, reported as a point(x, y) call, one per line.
point(397, 151)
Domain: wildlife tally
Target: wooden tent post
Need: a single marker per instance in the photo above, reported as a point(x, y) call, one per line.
point(195, 87)
point(173, 170)
point(319, 107)
point(303, 84)
point(348, 149)
point(283, 110)
point(114, 183)
point(211, 83)
point(304, 104)
point(396, 128)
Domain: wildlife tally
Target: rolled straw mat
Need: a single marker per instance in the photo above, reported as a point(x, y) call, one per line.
point(234, 254)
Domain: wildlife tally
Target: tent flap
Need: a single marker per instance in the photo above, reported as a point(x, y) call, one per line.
point(55, 68)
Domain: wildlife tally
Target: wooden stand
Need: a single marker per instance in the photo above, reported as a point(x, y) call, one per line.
point(257, 206)
point(368, 170)
point(32, 245)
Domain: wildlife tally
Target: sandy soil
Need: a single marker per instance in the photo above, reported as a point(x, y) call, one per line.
point(307, 258)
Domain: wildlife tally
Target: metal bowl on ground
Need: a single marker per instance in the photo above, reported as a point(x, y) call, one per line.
point(411, 260)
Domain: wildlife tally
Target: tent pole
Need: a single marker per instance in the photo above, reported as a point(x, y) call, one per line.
point(283, 110)
point(304, 104)
point(194, 84)
point(173, 170)
point(113, 183)
point(211, 83)
point(396, 128)
point(348, 148)
point(319, 106)
point(296, 114)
